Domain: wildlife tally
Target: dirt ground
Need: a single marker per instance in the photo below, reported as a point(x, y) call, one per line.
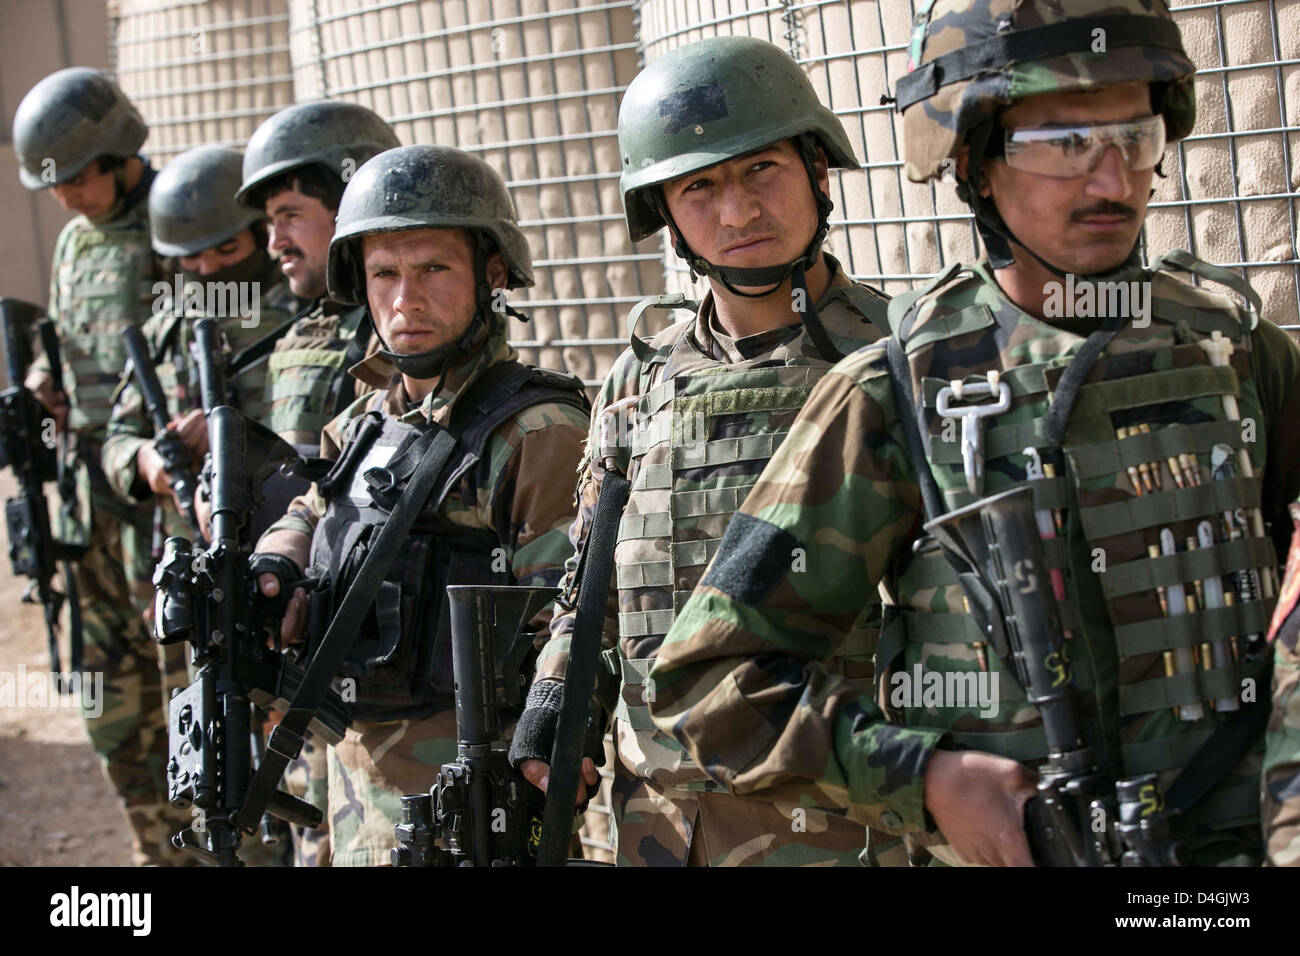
point(56, 809)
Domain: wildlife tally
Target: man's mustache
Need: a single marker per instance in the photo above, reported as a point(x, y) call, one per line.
point(1104, 208)
point(292, 251)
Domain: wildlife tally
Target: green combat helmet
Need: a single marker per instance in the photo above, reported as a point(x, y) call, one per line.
point(968, 60)
point(429, 187)
point(711, 101)
point(192, 204)
point(70, 118)
point(336, 136)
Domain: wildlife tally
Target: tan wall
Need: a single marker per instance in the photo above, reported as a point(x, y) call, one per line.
point(854, 51)
point(533, 87)
point(202, 73)
point(35, 40)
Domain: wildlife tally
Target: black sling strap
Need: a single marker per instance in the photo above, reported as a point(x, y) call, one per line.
point(253, 354)
point(285, 742)
point(580, 675)
point(1220, 753)
point(345, 386)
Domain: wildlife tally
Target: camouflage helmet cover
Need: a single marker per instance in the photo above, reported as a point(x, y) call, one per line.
point(192, 203)
point(337, 136)
point(423, 187)
point(968, 59)
point(70, 118)
point(710, 101)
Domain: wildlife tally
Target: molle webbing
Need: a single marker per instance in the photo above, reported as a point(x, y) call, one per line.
point(702, 433)
point(1169, 386)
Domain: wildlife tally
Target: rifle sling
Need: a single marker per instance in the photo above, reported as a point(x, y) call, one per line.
point(1220, 753)
point(251, 355)
point(580, 674)
point(285, 742)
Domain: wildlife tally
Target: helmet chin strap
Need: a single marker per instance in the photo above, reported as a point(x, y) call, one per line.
point(773, 276)
point(994, 232)
point(122, 200)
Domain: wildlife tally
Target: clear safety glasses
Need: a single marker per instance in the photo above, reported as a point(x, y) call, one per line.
point(1064, 152)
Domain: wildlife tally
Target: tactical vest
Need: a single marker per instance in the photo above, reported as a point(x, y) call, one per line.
point(307, 375)
point(249, 389)
point(401, 658)
point(103, 282)
point(701, 432)
point(1144, 709)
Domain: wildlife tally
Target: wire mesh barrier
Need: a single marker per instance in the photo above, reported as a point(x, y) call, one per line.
point(1229, 193)
point(201, 73)
point(533, 87)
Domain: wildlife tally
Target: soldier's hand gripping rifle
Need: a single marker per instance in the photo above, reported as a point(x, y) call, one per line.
point(166, 441)
point(1080, 815)
point(28, 447)
point(208, 598)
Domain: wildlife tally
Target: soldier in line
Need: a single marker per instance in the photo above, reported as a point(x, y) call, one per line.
point(296, 167)
point(208, 239)
point(427, 237)
point(1149, 434)
point(78, 135)
point(724, 142)
point(216, 264)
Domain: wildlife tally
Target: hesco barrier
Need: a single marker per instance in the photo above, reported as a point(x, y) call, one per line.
point(533, 87)
point(201, 73)
point(1229, 193)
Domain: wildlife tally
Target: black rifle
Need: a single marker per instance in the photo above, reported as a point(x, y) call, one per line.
point(1081, 815)
point(28, 446)
point(166, 441)
point(209, 599)
point(481, 808)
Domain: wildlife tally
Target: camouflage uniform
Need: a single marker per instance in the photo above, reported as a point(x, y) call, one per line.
point(1281, 810)
point(742, 679)
point(517, 498)
point(702, 413)
point(701, 393)
point(307, 381)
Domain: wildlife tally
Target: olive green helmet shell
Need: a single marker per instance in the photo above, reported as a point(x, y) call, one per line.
point(423, 187)
point(192, 202)
point(337, 136)
point(710, 101)
point(935, 127)
point(70, 118)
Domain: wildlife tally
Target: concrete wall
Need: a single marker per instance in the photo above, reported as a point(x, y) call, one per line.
point(35, 40)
